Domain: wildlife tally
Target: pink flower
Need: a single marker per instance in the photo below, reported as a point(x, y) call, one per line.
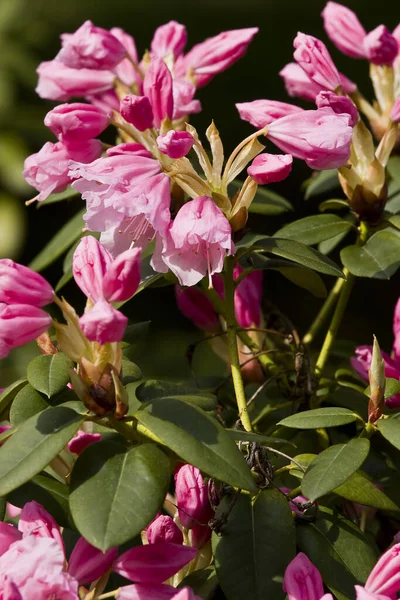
point(199, 239)
point(339, 105)
point(196, 307)
point(163, 529)
point(294, 503)
point(248, 296)
point(20, 324)
point(302, 581)
point(299, 84)
point(122, 276)
point(395, 112)
point(319, 137)
point(47, 170)
point(175, 144)
point(169, 39)
point(313, 57)
point(262, 112)
point(157, 86)
point(90, 47)
point(36, 521)
point(82, 440)
point(270, 168)
point(155, 591)
point(21, 285)
point(125, 70)
point(363, 594)
point(183, 92)
point(384, 578)
point(344, 29)
point(192, 498)
point(59, 82)
point(76, 121)
point(215, 54)
point(362, 363)
point(87, 563)
point(106, 101)
point(103, 323)
point(380, 46)
point(153, 563)
point(137, 110)
point(8, 535)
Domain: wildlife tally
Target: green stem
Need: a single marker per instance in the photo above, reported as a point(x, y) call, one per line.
point(368, 431)
point(295, 492)
point(325, 311)
point(231, 328)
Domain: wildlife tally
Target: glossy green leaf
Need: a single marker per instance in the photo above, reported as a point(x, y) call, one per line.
point(314, 229)
point(8, 395)
point(27, 402)
point(339, 550)
point(268, 440)
point(393, 168)
point(197, 438)
point(333, 467)
point(203, 582)
point(153, 388)
point(136, 332)
point(320, 417)
point(49, 373)
point(306, 279)
point(358, 488)
point(131, 485)
point(67, 235)
point(35, 443)
point(321, 182)
point(379, 258)
point(390, 429)
point(333, 204)
point(130, 372)
point(255, 547)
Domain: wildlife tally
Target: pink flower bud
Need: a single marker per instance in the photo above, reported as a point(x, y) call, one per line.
point(8, 535)
point(87, 563)
point(163, 529)
point(196, 307)
point(339, 105)
point(157, 86)
point(137, 110)
point(248, 298)
point(313, 57)
point(76, 121)
point(192, 497)
point(363, 594)
point(183, 92)
point(89, 265)
point(169, 39)
point(348, 86)
point(302, 580)
point(262, 112)
point(175, 144)
point(90, 47)
point(380, 46)
point(82, 440)
point(59, 82)
point(105, 101)
point(35, 520)
point(122, 276)
point(103, 323)
point(384, 578)
point(215, 54)
point(153, 563)
point(395, 112)
point(21, 285)
point(20, 324)
point(298, 83)
point(270, 168)
point(344, 29)
point(319, 137)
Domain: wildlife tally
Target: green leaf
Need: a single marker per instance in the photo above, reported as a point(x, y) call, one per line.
point(300, 254)
point(339, 550)
point(67, 235)
point(8, 395)
point(305, 278)
point(246, 436)
point(136, 332)
point(321, 182)
point(35, 443)
point(131, 484)
point(314, 229)
point(393, 168)
point(379, 258)
point(27, 403)
point(49, 373)
point(130, 372)
point(153, 388)
point(333, 204)
point(197, 438)
point(48, 492)
point(390, 429)
point(203, 582)
point(320, 417)
point(333, 467)
point(358, 488)
point(256, 545)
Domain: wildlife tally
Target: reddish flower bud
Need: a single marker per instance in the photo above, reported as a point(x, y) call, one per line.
point(87, 563)
point(103, 323)
point(339, 105)
point(76, 121)
point(89, 265)
point(302, 579)
point(270, 168)
point(20, 324)
point(122, 276)
point(168, 39)
point(312, 55)
point(163, 529)
point(344, 29)
point(137, 111)
point(21, 285)
point(175, 144)
point(192, 497)
point(157, 86)
point(380, 46)
point(196, 307)
point(248, 298)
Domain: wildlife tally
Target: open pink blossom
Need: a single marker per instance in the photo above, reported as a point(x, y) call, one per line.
point(303, 581)
point(103, 323)
point(169, 39)
point(20, 324)
point(199, 239)
point(21, 285)
point(175, 144)
point(163, 529)
point(36, 521)
point(299, 84)
point(90, 47)
point(76, 121)
point(157, 86)
point(339, 105)
point(344, 29)
point(313, 57)
point(8, 535)
point(380, 46)
point(270, 168)
point(262, 112)
point(319, 137)
point(384, 578)
point(215, 54)
point(59, 82)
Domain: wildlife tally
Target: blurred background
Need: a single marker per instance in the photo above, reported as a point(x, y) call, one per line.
point(29, 34)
